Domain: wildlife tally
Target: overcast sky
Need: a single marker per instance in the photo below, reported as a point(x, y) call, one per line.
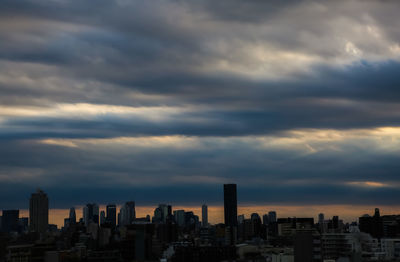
point(298, 102)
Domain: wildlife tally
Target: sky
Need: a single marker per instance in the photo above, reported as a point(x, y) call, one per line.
point(298, 102)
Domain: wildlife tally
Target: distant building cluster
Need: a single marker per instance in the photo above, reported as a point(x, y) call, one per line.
point(179, 235)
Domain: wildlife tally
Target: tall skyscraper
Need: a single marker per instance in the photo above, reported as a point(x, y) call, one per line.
point(377, 229)
point(272, 216)
point(166, 212)
point(230, 205)
point(321, 223)
point(179, 217)
point(131, 212)
point(39, 211)
point(240, 219)
point(230, 212)
point(128, 213)
point(72, 216)
point(321, 218)
point(335, 222)
point(265, 219)
point(111, 214)
point(204, 215)
point(91, 213)
point(102, 217)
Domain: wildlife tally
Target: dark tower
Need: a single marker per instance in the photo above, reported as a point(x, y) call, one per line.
point(377, 225)
point(72, 216)
point(39, 212)
point(230, 211)
point(230, 204)
point(112, 214)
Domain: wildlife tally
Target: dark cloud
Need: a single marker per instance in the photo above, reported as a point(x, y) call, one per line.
point(74, 175)
point(360, 96)
point(222, 73)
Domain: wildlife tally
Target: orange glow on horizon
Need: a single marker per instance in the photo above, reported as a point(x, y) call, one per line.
point(347, 213)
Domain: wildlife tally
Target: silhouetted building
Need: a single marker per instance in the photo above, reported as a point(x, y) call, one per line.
point(10, 220)
point(39, 212)
point(372, 225)
point(322, 226)
point(128, 213)
point(230, 204)
point(335, 222)
point(272, 216)
point(180, 217)
point(67, 223)
point(102, 217)
point(377, 230)
point(204, 216)
point(191, 220)
point(163, 214)
point(158, 217)
point(240, 219)
point(230, 213)
point(265, 219)
point(91, 214)
point(72, 216)
point(111, 214)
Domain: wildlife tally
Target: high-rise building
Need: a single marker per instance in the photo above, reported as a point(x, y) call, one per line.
point(321, 223)
point(39, 211)
point(166, 212)
point(72, 216)
point(163, 214)
point(377, 230)
point(102, 217)
point(10, 220)
point(111, 214)
point(230, 213)
point(128, 213)
point(204, 215)
point(265, 219)
point(335, 222)
point(230, 205)
point(131, 212)
point(91, 214)
point(180, 217)
point(191, 220)
point(240, 219)
point(158, 215)
point(272, 216)
point(372, 225)
point(321, 218)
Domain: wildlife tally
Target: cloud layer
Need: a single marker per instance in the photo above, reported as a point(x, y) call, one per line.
point(297, 102)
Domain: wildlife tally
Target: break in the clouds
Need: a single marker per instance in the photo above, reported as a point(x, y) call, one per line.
point(298, 101)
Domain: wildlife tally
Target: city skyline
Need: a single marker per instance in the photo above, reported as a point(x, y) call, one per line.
point(216, 213)
point(183, 236)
